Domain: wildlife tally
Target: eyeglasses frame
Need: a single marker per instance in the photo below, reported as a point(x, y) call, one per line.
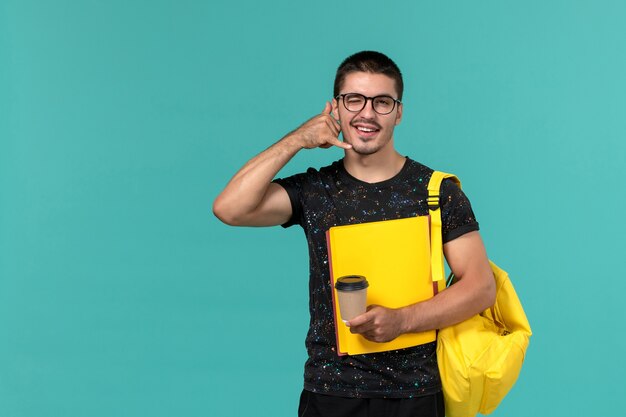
point(343, 97)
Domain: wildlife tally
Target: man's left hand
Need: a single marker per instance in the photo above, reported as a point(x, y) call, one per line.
point(378, 324)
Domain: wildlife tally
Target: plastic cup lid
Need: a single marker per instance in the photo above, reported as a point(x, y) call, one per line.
point(351, 283)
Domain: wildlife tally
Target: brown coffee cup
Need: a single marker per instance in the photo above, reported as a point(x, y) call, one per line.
point(352, 295)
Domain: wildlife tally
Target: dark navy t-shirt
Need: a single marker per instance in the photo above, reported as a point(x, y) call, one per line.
point(330, 197)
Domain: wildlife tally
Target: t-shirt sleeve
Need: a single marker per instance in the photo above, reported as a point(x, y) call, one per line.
point(293, 186)
point(457, 215)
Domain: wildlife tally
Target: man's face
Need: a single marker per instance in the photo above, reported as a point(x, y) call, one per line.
point(367, 131)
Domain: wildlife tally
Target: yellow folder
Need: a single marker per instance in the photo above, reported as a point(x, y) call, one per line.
point(394, 256)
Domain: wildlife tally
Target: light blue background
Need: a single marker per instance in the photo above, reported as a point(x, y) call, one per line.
point(120, 121)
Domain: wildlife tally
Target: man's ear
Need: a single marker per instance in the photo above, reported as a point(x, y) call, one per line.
point(399, 114)
point(335, 109)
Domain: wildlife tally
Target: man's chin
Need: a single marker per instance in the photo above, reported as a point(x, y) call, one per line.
point(364, 150)
point(366, 146)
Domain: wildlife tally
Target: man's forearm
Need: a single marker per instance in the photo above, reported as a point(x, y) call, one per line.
point(474, 292)
point(455, 304)
point(246, 190)
point(249, 199)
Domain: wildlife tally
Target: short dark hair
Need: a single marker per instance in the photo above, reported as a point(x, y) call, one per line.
point(369, 61)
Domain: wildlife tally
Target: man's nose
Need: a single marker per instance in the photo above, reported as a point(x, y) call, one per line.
point(368, 110)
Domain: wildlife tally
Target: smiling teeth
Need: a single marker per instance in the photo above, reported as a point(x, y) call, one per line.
point(365, 129)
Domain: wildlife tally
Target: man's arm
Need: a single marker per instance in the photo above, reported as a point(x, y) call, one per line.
point(250, 198)
point(474, 292)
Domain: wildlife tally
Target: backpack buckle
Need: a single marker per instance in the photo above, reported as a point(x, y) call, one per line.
point(433, 202)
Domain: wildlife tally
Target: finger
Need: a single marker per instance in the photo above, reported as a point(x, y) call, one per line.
point(332, 126)
point(336, 125)
point(334, 130)
point(365, 328)
point(334, 139)
point(327, 108)
point(330, 141)
point(359, 320)
point(336, 142)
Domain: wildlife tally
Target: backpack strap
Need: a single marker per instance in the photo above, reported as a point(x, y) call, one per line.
point(434, 204)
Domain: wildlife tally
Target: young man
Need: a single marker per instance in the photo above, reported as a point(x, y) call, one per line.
point(372, 182)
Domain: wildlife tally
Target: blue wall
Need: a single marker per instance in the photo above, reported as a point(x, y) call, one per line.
point(120, 121)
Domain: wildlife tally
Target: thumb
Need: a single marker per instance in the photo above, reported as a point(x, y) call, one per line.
point(359, 320)
point(327, 108)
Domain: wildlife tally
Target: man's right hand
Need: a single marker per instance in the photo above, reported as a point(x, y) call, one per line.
point(250, 198)
point(321, 131)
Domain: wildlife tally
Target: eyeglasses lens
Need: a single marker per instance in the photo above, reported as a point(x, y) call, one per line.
point(381, 104)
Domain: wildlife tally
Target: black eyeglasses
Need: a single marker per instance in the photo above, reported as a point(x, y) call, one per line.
point(355, 102)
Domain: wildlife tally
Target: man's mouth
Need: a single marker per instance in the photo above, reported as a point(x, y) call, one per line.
point(366, 129)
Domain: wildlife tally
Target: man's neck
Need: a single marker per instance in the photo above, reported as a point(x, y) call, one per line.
point(377, 167)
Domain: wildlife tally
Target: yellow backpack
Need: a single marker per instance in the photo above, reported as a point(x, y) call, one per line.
point(480, 358)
